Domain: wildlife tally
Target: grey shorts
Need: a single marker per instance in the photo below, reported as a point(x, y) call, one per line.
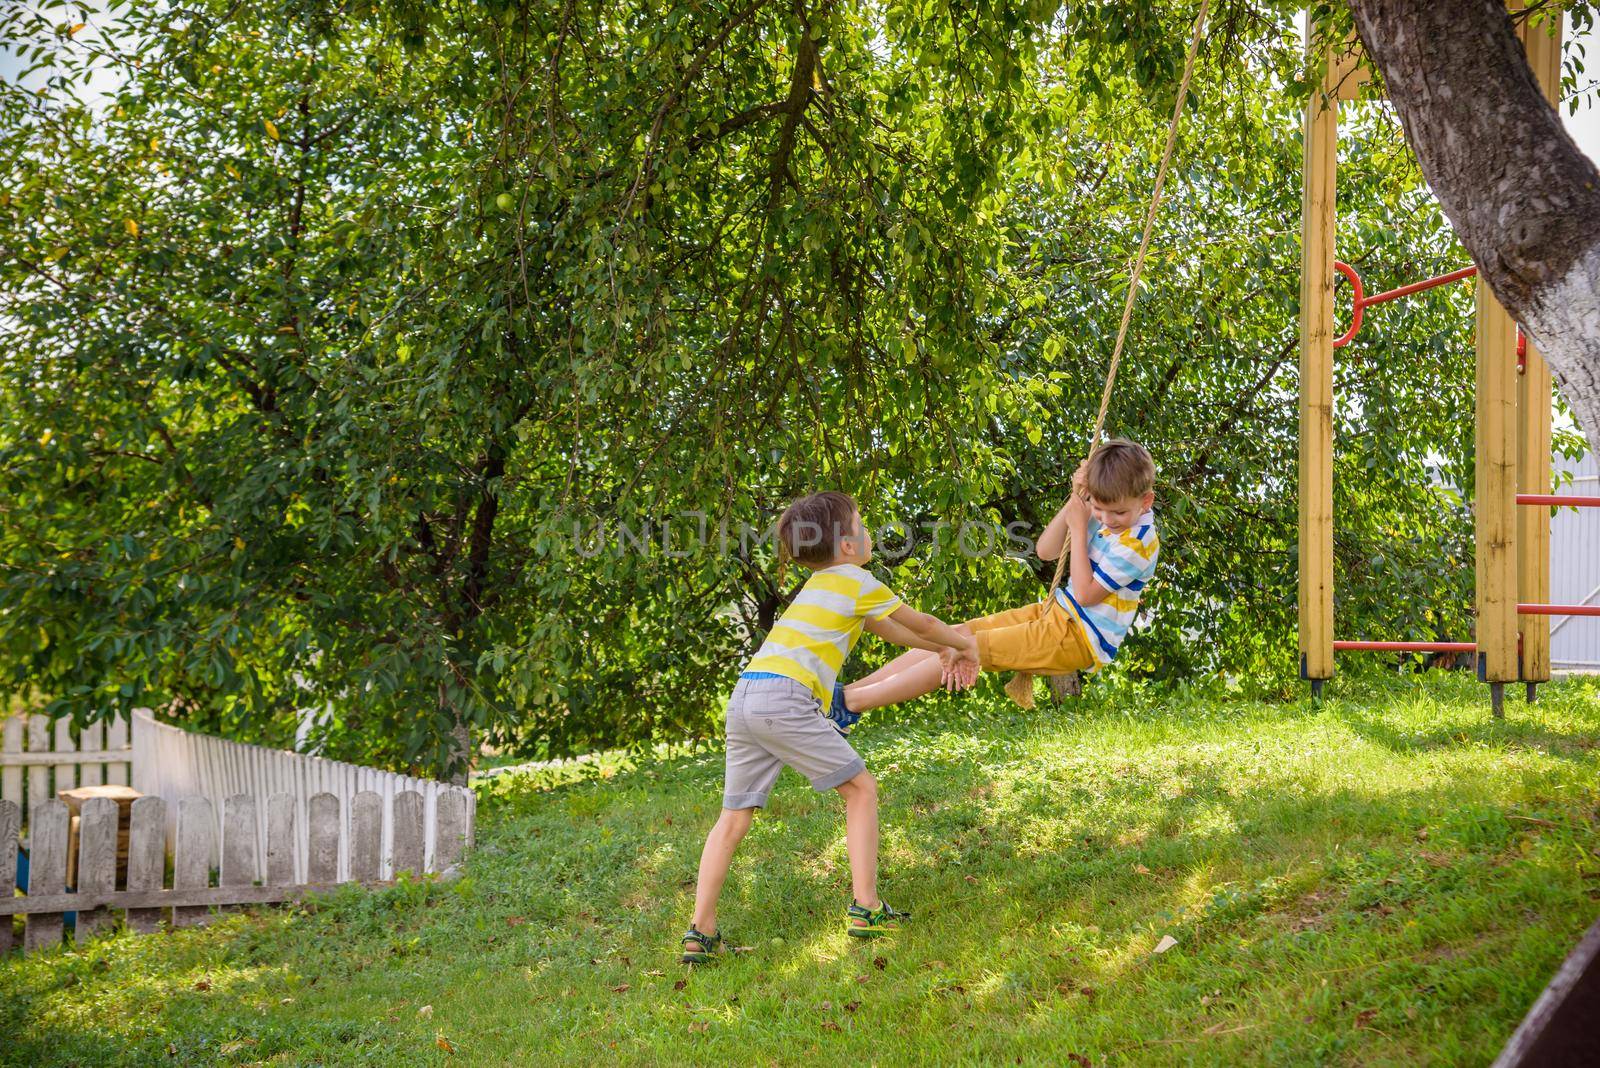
point(773, 722)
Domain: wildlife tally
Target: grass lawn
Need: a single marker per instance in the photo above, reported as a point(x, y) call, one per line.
point(1389, 878)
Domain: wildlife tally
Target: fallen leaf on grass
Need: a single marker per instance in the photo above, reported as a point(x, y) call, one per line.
point(1365, 1017)
point(655, 973)
point(862, 978)
point(426, 1012)
point(1166, 943)
point(515, 921)
point(1080, 1060)
point(443, 1043)
point(851, 1006)
point(1140, 869)
point(971, 879)
point(699, 1027)
point(829, 1025)
point(202, 985)
point(621, 988)
point(228, 1049)
point(881, 963)
point(680, 984)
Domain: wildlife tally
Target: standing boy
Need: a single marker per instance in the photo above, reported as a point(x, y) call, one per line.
point(776, 714)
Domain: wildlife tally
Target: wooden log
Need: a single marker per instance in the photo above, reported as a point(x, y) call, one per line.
point(323, 825)
point(10, 827)
point(408, 833)
point(451, 828)
point(280, 840)
point(366, 837)
point(124, 797)
point(147, 858)
point(239, 867)
point(1318, 213)
point(97, 861)
point(47, 870)
point(10, 754)
point(191, 869)
point(117, 772)
point(38, 774)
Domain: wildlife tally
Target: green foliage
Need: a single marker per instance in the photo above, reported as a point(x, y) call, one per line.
point(328, 327)
point(1408, 871)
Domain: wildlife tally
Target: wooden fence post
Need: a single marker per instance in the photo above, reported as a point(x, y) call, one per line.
point(117, 740)
point(408, 833)
point(10, 744)
point(366, 837)
point(191, 868)
point(147, 857)
point(10, 826)
point(239, 866)
point(280, 866)
point(322, 854)
point(97, 860)
point(47, 870)
point(450, 834)
point(38, 774)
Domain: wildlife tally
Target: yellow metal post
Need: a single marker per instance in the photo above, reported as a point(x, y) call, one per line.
point(1321, 135)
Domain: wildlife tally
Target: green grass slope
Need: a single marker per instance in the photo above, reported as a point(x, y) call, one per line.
point(1387, 879)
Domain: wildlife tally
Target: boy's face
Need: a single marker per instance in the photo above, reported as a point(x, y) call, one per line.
point(1118, 516)
point(856, 546)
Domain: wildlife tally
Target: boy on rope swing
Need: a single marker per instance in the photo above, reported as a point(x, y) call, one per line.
point(1114, 546)
point(776, 714)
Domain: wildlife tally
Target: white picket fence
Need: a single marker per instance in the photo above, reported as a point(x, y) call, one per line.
point(39, 758)
point(251, 871)
point(323, 822)
point(173, 763)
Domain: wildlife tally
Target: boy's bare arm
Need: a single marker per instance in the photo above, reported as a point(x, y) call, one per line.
point(891, 630)
point(932, 629)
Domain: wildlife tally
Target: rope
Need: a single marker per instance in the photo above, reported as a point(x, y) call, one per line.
point(1021, 685)
point(1138, 260)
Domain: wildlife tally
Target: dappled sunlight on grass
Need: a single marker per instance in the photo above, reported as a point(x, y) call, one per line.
point(1387, 878)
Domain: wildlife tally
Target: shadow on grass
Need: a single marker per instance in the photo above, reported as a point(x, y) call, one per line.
point(1519, 729)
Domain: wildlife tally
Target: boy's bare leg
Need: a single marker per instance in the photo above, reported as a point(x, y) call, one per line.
point(922, 677)
point(861, 836)
point(715, 860)
point(897, 665)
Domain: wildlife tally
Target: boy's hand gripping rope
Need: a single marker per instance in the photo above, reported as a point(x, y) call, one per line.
point(1020, 688)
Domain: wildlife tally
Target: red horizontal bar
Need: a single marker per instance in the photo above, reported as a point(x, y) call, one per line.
point(1417, 287)
point(1407, 647)
point(1558, 609)
point(1558, 500)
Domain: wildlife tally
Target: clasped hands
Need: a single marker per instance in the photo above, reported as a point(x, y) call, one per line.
point(958, 668)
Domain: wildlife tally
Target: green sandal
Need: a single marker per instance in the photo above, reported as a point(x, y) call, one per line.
point(708, 944)
point(862, 922)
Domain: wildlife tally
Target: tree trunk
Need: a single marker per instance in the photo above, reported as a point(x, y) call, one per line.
point(1522, 198)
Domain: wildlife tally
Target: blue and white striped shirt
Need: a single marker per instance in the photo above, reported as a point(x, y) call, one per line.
point(1123, 564)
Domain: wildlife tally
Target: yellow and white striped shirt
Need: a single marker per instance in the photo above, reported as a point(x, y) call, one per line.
point(815, 634)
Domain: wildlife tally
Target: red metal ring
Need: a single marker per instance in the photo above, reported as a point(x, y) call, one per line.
point(1357, 302)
